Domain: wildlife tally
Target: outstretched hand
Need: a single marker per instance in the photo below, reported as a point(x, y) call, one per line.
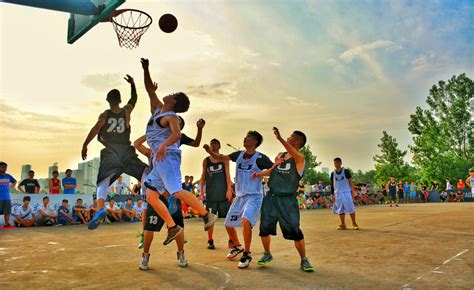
point(84, 153)
point(145, 63)
point(155, 87)
point(276, 132)
point(207, 148)
point(200, 123)
point(279, 160)
point(129, 80)
point(255, 175)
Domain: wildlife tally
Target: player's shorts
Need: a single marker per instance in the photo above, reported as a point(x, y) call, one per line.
point(154, 223)
point(284, 210)
point(343, 203)
point(116, 159)
point(247, 207)
point(392, 196)
point(220, 208)
point(166, 174)
point(5, 207)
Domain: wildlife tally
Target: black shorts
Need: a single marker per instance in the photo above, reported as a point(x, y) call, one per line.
point(401, 195)
point(117, 159)
point(283, 209)
point(5, 207)
point(154, 223)
point(392, 196)
point(220, 208)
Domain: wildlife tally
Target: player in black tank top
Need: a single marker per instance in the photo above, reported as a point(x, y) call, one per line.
point(392, 191)
point(215, 183)
point(280, 204)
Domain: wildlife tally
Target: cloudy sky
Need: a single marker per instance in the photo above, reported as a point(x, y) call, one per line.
point(341, 71)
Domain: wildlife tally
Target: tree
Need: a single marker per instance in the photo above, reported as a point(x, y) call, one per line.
point(311, 163)
point(390, 162)
point(443, 134)
point(364, 177)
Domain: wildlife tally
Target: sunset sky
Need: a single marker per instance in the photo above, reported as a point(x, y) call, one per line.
point(341, 71)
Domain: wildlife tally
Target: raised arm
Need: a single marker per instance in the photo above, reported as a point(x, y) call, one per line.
point(218, 157)
point(138, 144)
point(93, 132)
point(133, 95)
point(197, 141)
point(150, 86)
point(299, 158)
point(267, 172)
point(202, 180)
point(175, 136)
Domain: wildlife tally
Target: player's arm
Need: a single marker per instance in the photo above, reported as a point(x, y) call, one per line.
point(202, 180)
point(20, 187)
point(468, 182)
point(133, 95)
point(268, 171)
point(92, 133)
point(12, 182)
point(150, 86)
point(229, 181)
point(175, 136)
point(352, 186)
point(218, 157)
point(197, 140)
point(37, 187)
point(295, 153)
point(138, 144)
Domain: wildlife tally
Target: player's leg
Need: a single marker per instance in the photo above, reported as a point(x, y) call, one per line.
point(249, 220)
point(234, 219)
point(213, 208)
point(148, 239)
point(268, 222)
point(179, 220)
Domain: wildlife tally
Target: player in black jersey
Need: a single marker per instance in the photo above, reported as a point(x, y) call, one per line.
point(280, 204)
point(118, 157)
point(216, 185)
point(392, 191)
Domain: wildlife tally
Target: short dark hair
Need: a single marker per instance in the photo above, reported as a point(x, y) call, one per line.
point(215, 141)
point(31, 171)
point(55, 171)
point(65, 200)
point(471, 170)
point(67, 170)
point(26, 198)
point(182, 123)
point(113, 97)
point(129, 199)
point(301, 136)
point(139, 199)
point(79, 199)
point(257, 136)
point(338, 159)
point(3, 163)
point(45, 197)
point(182, 103)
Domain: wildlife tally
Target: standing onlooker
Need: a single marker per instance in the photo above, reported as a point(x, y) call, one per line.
point(45, 214)
point(434, 185)
point(64, 214)
point(460, 185)
point(307, 189)
point(470, 182)
point(69, 183)
point(406, 188)
point(412, 191)
point(24, 216)
point(6, 183)
point(30, 184)
point(137, 188)
point(449, 186)
point(55, 183)
point(120, 187)
point(343, 191)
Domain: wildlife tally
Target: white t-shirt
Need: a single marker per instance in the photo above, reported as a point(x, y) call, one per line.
point(121, 187)
point(24, 214)
point(140, 209)
point(114, 208)
point(449, 186)
point(48, 210)
point(310, 201)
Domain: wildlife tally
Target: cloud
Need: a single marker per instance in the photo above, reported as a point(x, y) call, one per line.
point(102, 82)
point(220, 90)
point(350, 54)
point(429, 61)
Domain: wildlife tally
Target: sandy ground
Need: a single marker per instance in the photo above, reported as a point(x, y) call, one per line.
point(420, 246)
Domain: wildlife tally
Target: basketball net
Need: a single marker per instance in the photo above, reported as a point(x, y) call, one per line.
point(130, 25)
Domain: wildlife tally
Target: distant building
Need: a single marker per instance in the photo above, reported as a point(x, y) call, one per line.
point(325, 170)
point(24, 171)
point(52, 168)
point(89, 171)
point(44, 185)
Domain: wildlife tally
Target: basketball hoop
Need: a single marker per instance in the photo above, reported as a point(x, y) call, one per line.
point(130, 25)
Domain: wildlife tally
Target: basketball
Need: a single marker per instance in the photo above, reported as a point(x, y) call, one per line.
point(168, 23)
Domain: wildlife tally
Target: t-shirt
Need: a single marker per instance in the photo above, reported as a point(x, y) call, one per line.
point(406, 187)
point(29, 185)
point(26, 214)
point(307, 189)
point(461, 185)
point(5, 180)
point(56, 183)
point(412, 187)
point(114, 208)
point(74, 212)
point(121, 187)
point(62, 217)
point(129, 207)
point(69, 181)
point(188, 187)
point(263, 162)
point(140, 209)
point(47, 209)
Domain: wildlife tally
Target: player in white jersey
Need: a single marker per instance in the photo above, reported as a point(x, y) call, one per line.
point(343, 190)
point(470, 181)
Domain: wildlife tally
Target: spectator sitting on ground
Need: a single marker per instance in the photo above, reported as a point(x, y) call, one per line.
point(113, 211)
point(443, 196)
point(300, 201)
point(45, 214)
point(129, 211)
point(307, 189)
point(460, 185)
point(64, 214)
point(140, 209)
point(24, 216)
point(80, 213)
point(310, 203)
point(460, 196)
point(452, 197)
point(69, 183)
point(93, 208)
point(30, 184)
point(300, 187)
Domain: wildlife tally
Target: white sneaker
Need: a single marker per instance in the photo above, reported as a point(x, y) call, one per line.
point(144, 263)
point(181, 259)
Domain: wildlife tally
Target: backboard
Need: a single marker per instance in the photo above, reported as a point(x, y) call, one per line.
point(79, 24)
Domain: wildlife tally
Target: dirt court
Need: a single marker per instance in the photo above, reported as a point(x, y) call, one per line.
point(417, 246)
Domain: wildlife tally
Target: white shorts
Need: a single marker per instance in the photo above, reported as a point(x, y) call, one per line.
point(166, 174)
point(343, 203)
point(247, 206)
